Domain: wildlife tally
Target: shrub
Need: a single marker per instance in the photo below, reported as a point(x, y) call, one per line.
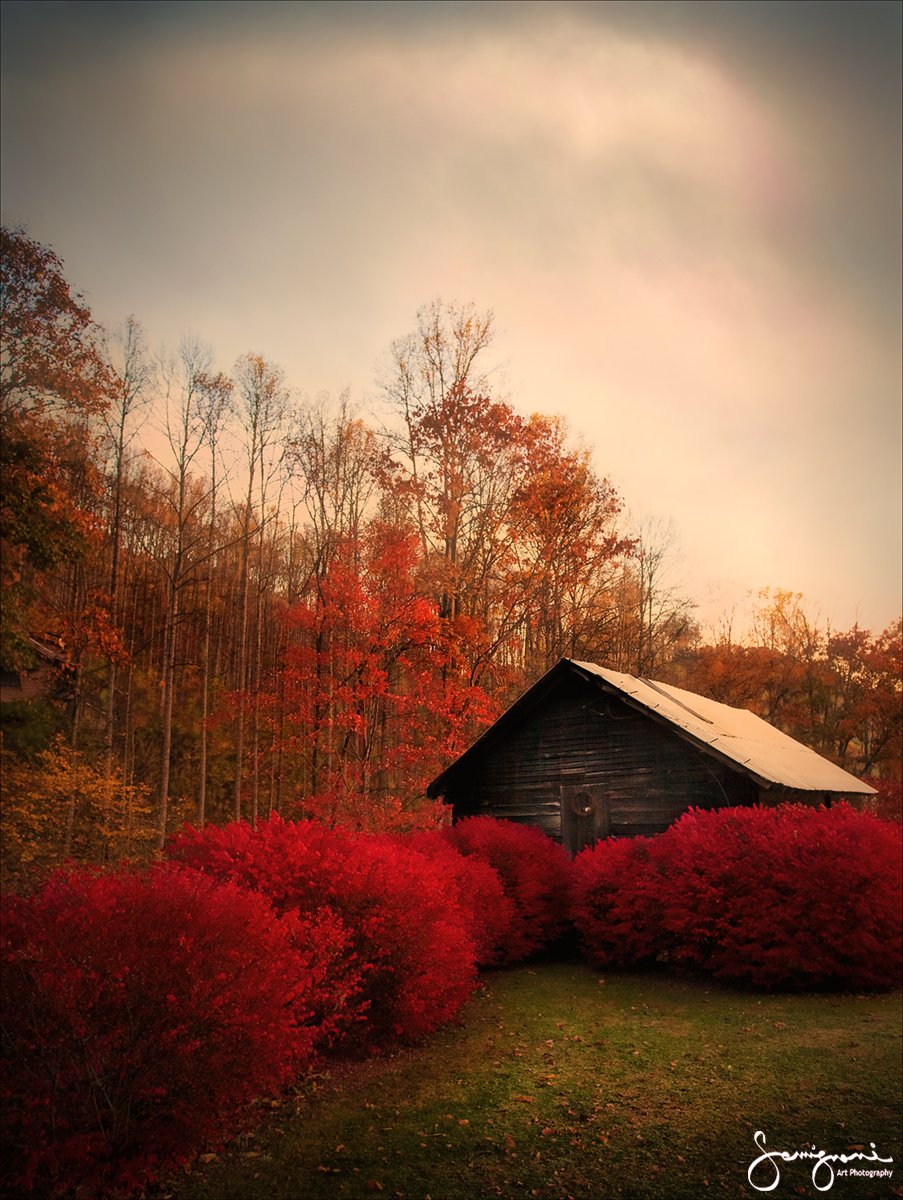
point(406, 930)
point(790, 896)
point(534, 874)
point(486, 910)
point(616, 902)
point(142, 1014)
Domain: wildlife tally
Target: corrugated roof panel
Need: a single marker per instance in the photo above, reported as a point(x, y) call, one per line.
point(766, 752)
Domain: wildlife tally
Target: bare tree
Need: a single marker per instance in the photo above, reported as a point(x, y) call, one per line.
point(664, 611)
point(263, 400)
point(132, 371)
point(442, 357)
point(215, 406)
point(334, 460)
point(186, 497)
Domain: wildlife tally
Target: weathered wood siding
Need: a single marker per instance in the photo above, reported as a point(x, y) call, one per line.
point(26, 685)
point(579, 742)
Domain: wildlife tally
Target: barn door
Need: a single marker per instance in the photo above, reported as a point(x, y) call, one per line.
point(585, 815)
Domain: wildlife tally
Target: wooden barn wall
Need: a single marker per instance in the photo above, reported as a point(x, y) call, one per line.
point(648, 774)
point(26, 685)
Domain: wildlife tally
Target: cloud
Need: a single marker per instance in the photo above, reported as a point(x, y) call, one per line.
point(684, 215)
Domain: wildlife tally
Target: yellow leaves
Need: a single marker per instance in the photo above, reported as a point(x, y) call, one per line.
point(61, 804)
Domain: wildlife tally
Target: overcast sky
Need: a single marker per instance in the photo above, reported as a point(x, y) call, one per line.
point(685, 217)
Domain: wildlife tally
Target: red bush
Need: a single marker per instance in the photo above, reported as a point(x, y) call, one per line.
point(790, 896)
point(534, 874)
point(406, 929)
point(616, 902)
point(141, 1015)
point(485, 907)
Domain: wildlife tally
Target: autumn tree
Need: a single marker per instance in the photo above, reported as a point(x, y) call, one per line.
point(774, 666)
point(863, 721)
point(793, 641)
point(451, 434)
point(517, 529)
point(563, 546)
point(838, 692)
point(117, 820)
point(652, 615)
point(370, 710)
point(52, 379)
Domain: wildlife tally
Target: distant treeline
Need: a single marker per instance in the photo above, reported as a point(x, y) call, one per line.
point(245, 602)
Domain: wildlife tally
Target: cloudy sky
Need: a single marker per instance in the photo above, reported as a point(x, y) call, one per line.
point(685, 217)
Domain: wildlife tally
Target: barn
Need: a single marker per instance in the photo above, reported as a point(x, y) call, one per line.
point(48, 678)
point(589, 753)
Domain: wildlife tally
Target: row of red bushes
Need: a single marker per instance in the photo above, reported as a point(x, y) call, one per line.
point(145, 1013)
point(790, 896)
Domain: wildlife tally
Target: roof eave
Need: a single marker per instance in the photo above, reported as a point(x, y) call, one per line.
point(544, 686)
point(497, 731)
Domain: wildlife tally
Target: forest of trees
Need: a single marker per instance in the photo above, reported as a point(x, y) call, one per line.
point(254, 602)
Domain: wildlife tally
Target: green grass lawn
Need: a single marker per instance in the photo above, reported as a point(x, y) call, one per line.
point(561, 1083)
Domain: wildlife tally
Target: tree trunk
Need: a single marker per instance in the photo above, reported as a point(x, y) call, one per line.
point(169, 658)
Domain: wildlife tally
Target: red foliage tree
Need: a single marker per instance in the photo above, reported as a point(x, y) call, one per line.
point(864, 721)
point(372, 699)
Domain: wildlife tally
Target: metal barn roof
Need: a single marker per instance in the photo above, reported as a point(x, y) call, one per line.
point(770, 756)
point(734, 735)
